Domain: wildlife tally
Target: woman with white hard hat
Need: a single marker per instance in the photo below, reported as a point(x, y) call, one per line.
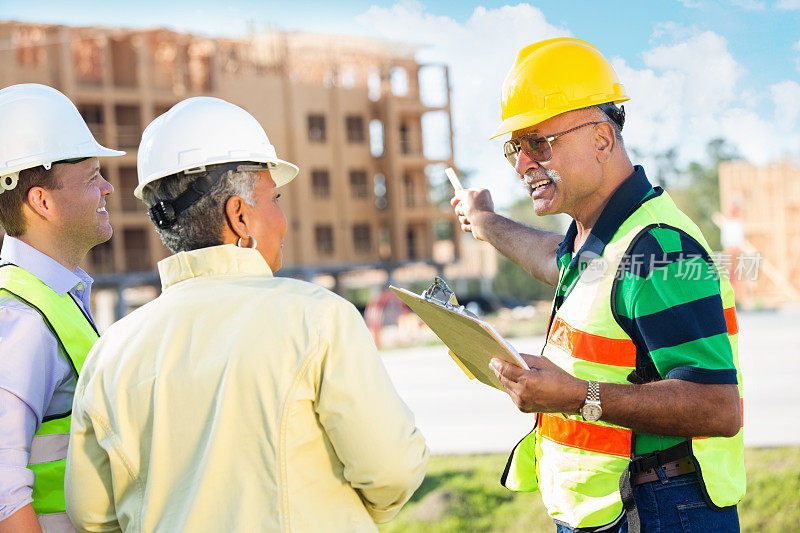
point(235, 401)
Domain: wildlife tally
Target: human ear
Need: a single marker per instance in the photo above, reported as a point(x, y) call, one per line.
point(236, 216)
point(40, 201)
point(604, 142)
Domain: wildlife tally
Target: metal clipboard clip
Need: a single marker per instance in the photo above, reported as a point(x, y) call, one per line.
point(440, 294)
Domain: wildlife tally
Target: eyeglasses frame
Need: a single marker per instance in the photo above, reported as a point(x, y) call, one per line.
point(515, 143)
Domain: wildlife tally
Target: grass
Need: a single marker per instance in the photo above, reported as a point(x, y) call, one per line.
point(463, 494)
point(772, 502)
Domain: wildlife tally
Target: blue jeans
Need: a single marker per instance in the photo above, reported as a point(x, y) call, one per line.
point(675, 504)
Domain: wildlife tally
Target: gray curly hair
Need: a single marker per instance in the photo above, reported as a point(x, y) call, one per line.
point(200, 225)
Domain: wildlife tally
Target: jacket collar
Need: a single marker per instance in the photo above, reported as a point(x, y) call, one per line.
point(625, 200)
point(223, 260)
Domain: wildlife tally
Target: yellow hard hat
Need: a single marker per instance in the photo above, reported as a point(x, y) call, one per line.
point(555, 76)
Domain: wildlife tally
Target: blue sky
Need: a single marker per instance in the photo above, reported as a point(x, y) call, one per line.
point(760, 33)
point(695, 69)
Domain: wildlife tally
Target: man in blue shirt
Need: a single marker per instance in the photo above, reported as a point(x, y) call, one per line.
point(53, 210)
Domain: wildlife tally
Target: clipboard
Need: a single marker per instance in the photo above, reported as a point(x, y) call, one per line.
point(472, 342)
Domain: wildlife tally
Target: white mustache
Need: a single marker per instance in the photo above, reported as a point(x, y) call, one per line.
point(532, 177)
point(550, 174)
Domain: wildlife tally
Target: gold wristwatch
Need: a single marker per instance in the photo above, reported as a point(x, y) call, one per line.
point(591, 410)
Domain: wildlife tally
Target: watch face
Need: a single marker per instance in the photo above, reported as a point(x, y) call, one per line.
point(591, 412)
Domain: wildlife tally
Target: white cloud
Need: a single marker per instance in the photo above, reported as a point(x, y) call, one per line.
point(797, 59)
point(786, 96)
point(689, 90)
point(750, 5)
point(479, 51)
point(672, 30)
point(702, 68)
point(788, 4)
point(679, 95)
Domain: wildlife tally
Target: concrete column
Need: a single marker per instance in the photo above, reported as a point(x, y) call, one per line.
point(337, 283)
point(141, 43)
point(390, 275)
point(460, 286)
point(65, 67)
point(394, 178)
point(302, 234)
point(485, 286)
point(122, 305)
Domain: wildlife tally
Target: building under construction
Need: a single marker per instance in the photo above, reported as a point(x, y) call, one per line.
point(765, 203)
point(348, 111)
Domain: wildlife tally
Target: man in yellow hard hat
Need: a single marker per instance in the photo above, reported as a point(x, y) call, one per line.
point(637, 390)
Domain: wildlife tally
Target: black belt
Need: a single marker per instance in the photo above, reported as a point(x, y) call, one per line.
point(645, 463)
point(644, 466)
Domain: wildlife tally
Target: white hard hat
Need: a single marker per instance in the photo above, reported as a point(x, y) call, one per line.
point(203, 131)
point(40, 126)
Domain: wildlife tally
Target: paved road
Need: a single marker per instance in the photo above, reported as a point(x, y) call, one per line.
point(457, 415)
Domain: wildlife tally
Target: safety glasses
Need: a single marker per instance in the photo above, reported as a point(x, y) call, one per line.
point(536, 146)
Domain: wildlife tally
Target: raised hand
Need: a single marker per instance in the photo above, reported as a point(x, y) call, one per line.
point(471, 206)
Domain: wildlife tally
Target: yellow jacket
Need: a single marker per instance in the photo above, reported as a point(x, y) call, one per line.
point(237, 401)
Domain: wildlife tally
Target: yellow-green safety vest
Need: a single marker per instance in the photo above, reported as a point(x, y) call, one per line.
point(75, 335)
point(577, 464)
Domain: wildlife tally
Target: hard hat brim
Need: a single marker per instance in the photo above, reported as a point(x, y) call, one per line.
point(282, 172)
point(108, 152)
point(526, 120)
point(35, 161)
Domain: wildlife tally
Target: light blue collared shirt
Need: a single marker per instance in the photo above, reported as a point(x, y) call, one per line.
point(35, 378)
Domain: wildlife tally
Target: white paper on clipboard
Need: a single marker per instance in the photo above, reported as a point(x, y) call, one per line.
point(472, 342)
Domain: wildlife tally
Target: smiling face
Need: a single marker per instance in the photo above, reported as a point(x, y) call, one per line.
point(266, 221)
point(572, 176)
point(80, 215)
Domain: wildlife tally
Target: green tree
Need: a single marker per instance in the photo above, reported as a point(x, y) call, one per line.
point(665, 172)
point(698, 197)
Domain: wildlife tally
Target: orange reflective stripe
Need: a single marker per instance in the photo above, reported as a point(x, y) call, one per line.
point(730, 321)
point(586, 435)
point(742, 400)
point(594, 348)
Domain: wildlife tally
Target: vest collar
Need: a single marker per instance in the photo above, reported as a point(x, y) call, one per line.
point(226, 259)
point(625, 200)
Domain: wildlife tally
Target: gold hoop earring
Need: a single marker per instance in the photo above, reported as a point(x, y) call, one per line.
point(252, 240)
